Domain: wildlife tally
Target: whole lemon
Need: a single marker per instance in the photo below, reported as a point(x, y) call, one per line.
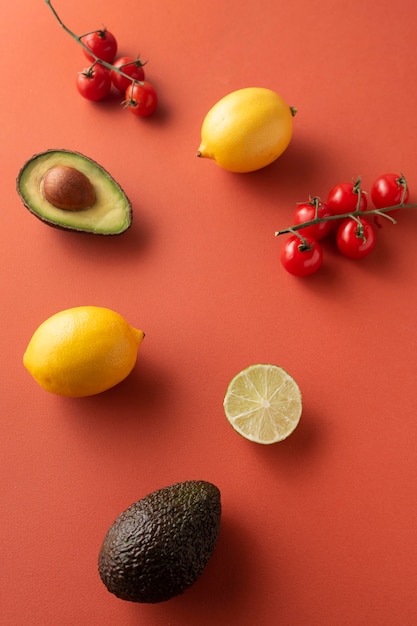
point(247, 129)
point(82, 351)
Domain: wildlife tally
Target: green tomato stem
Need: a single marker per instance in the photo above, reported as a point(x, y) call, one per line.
point(403, 182)
point(353, 215)
point(100, 31)
point(78, 39)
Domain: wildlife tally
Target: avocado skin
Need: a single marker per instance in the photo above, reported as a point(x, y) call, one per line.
point(159, 546)
point(56, 224)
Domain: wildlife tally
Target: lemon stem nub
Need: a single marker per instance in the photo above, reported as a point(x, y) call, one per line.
point(139, 335)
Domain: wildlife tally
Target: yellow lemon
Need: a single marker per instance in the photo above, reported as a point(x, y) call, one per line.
point(247, 129)
point(82, 351)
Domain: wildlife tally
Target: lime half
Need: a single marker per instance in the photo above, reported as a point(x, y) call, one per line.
point(263, 403)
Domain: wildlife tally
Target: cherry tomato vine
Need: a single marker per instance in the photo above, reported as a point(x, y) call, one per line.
point(125, 74)
point(345, 213)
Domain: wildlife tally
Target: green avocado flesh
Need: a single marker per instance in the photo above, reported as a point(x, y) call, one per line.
point(160, 545)
point(111, 212)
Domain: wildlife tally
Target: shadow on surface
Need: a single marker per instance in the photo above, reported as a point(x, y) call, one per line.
point(297, 168)
point(300, 448)
point(146, 390)
point(227, 583)
point(130, 243)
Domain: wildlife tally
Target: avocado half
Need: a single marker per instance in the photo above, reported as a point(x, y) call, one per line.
point(109, 214)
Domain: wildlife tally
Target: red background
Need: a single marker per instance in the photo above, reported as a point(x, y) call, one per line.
point(319, 529)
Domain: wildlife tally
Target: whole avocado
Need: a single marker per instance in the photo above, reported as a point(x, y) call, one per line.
point(160, 545)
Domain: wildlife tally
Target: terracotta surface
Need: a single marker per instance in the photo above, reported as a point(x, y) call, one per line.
point(319, 530)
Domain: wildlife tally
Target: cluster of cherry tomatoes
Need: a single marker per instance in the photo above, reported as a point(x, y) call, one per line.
point(106, 72)
point(355, 236)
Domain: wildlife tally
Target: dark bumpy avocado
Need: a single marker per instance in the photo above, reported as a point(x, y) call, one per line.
point(161, 544)
point(108, 211)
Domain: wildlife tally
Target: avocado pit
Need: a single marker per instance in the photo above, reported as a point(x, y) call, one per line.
point(67, 188)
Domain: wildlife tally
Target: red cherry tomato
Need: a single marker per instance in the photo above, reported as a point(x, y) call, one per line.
point(389, 190)
point(301, 257)
point(141, 100)
point(307, 211)
point(343, 198)
point(355, 240)
point(129, 66)
point(101, 43)
point(94, 83)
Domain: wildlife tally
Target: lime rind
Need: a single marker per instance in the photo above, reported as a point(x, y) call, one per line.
point(263, 403)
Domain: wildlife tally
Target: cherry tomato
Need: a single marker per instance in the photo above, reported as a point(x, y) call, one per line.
point(129, 66)
point(101, 43)
point(343, 198)
point(307, 211)
point(301, 257)
point(94, 83)
point(142, 99)
point(389, 190)
point(355, 241)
